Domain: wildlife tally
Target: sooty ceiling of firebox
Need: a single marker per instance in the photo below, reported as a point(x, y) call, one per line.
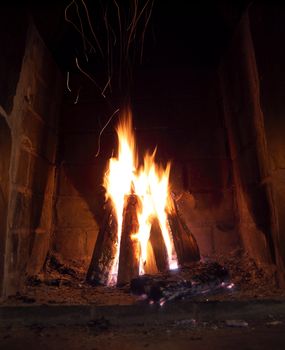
point(180, 31)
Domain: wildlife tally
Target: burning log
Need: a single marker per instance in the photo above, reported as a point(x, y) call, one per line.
point(158, 246)
point(129, 248)
point(186, 246)
point(105, 249)
point(150, 266)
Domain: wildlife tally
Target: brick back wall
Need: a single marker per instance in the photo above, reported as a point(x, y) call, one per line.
point(80, 196)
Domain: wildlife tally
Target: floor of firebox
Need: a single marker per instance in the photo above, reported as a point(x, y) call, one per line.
point(173, 335)
point(65, 284)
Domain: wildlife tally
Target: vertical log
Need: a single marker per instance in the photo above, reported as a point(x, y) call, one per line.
point(129, 249)
point(158, 246)
point(150, 266)
point(186, 246)
point(105, 249)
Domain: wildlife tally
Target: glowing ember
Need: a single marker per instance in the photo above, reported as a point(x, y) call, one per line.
point(150, 183)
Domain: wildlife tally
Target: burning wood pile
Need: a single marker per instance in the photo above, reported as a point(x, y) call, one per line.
point(142, 232)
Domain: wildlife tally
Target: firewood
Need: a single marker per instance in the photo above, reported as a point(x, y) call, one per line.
point(201, 279)
point(129, 247)
point(105, 249)
point(150, 267)
point(186, 246)
point(158, 246)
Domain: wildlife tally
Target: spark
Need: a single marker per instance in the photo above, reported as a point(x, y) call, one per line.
point(91, 28)
point(109, 56)
point(132, 26)
point(142, 11)
point(82, 31)
point(75, 26)
point(230, 286)
point(108, 83)
point(120, 31)
point(114, 35)
point(135, 22)
point(102, 130)
point(67, 82)
point(87, 75)
point(144, 30)
point(77, 96)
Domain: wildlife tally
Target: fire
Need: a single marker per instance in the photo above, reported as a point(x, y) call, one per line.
point(150, 183)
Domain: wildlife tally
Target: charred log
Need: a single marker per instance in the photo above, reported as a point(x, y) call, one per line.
point(208, 279)
point(129, 247)
point(105, 249)
point(186, 246)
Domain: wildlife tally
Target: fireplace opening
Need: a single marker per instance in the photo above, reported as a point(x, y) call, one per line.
point(200, 191)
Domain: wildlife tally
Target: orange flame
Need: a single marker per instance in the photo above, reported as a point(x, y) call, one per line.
point(150, 183)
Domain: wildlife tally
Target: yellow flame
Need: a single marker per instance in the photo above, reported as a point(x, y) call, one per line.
point(150, 183)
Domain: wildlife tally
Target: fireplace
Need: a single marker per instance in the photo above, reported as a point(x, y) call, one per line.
point(210, 102)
